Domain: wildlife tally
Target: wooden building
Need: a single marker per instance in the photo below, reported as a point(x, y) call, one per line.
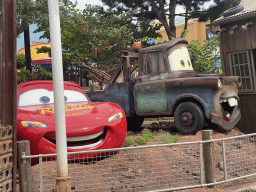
point(237, 35)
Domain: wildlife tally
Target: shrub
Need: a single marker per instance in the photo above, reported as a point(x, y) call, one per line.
point(163, 135)
point(128, 141)
point(147, 136)
point(21, 61)
point(140, 141)
point(38, 73)
point(173, 140)
point(204, 59)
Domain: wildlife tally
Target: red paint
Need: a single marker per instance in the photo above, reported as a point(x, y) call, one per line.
point(82, 119)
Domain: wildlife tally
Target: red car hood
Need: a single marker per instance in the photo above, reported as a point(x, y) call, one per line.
point(76, 113)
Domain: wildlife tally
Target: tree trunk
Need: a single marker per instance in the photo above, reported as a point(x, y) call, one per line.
point(160, 12)
point(172, 29)
point(186, 23)
point(27, 48)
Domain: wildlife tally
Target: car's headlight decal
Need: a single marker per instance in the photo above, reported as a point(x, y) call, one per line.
point(116, 116)
point(33, 124)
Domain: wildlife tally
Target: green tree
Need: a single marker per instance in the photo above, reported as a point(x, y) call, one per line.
point(96, 34)
point(191, 7)
point(88, 34)
point(21, 61)
point(162, 10)
point(215, 11)
point(204, 59)
point(146, 32)
point(27, 12)
point(38, 73)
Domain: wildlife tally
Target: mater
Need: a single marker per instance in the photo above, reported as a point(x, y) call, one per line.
point(167, 85)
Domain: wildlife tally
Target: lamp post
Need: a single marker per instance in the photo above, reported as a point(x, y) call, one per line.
point(62, 180)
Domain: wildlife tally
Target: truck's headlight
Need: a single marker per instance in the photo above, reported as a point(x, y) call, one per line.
point(219, 83)
point(116, 116)
point(33, 124)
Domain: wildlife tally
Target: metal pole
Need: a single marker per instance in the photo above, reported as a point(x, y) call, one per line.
point(62, 180)
point(224, 160)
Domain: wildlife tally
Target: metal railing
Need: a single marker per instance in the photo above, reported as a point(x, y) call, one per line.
point(151, 167)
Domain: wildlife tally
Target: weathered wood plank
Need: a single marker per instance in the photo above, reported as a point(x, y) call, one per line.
point(208, 157)
point(247, 123)
point(25, 171)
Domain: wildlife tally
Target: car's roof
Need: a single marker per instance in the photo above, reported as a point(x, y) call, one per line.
point(46, 82)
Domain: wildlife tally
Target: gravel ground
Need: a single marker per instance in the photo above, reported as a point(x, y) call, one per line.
point(140, 174)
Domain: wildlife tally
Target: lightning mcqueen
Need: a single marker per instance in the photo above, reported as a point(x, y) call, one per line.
point(89, 125)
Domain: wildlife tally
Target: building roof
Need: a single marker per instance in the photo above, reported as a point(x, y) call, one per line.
point(34, 44)
point(42, 61)
point(249, 11)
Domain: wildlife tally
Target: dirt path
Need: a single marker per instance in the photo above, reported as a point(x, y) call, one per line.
point(147, 169)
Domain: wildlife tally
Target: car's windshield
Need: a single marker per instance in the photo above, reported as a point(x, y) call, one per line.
point(179, 59)
point(44, 96)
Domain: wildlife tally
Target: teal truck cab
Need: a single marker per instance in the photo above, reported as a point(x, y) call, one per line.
point(167, 85)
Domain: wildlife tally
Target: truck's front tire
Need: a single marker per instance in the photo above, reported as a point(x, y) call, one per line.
point(134, 123)
point(189, 118)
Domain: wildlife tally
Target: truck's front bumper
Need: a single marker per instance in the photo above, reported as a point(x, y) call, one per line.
point(223, 124)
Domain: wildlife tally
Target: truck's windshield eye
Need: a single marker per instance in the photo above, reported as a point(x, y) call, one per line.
point(189, 64)
point(182, 63)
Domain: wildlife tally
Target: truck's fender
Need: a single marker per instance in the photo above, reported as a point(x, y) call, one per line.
point(188, 97)
point(98, 96)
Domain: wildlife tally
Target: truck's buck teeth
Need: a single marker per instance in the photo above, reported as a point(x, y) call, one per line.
point(231, 101)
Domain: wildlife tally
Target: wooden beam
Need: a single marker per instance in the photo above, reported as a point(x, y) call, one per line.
point(8, 74)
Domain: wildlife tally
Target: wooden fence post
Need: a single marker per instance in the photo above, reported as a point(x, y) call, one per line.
point(24, 166)
point(208, 156)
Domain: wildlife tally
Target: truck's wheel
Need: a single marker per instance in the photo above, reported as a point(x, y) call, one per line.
point(134, 123)
point(189, 118)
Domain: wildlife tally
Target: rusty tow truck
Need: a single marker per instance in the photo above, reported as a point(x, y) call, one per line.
point(167, 85)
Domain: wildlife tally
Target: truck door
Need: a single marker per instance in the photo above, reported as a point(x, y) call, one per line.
point(150, 90)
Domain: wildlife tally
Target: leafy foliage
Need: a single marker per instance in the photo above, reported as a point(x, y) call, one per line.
point(146, 33)
point(38, 73)
point(204, 59)
point(164, 11)
point(161, 135)
point(215, 11)
point(129, 141)
point(90, 34)
point(21, 61)
point(145, 137)
point(44, 49)
point(173, 140)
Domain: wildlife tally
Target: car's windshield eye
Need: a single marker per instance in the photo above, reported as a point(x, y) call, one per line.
point(44, 99)
point(65, 99)
point(182, 63)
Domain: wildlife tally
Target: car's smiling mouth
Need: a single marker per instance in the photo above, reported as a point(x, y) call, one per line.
point(83, 142)
point(229, 105)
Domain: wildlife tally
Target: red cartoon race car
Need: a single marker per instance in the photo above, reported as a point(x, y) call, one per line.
point(89, 125)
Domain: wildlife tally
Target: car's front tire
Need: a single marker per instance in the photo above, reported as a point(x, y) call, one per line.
point(134, 123)
point(189, 118)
